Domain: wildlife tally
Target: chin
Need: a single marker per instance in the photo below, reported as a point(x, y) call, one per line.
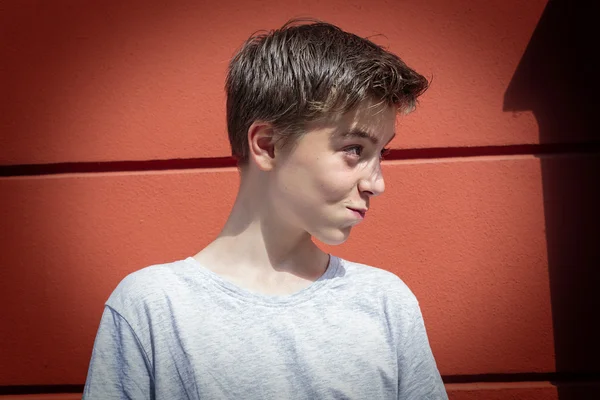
point(333, 237)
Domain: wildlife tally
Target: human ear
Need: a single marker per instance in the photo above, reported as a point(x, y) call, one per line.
point(261, 143)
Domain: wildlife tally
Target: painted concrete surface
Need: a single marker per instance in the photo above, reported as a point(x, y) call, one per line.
point(467, 236)
point(112, 80)
point(501, 251)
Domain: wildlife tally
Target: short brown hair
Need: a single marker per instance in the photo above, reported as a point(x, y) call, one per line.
point(307, 70)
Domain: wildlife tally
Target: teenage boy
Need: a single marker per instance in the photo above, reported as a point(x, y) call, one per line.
point(262, 312)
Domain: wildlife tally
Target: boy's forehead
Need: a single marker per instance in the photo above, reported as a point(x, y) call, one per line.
point(366, 120)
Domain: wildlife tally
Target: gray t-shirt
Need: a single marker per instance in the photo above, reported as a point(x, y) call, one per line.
point(180, 331)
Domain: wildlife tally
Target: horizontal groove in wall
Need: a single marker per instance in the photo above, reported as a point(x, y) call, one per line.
point(453, 381)
point(553, 377)
point(40, 389)
point(500, 386)
point(224, 162)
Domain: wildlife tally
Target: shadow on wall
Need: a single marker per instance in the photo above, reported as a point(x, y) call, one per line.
point(556, 79)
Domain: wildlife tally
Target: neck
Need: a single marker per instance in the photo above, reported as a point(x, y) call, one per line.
point(255, 238)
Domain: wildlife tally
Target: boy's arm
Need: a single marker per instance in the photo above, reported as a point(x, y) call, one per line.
point(419, 378)
point(119, 367)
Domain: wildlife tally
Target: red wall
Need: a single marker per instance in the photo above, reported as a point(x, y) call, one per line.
point(488, 213)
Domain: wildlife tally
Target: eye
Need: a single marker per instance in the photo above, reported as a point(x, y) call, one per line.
point(384, 153)
point(354, 151)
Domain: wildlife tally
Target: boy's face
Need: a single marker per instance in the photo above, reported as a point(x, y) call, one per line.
point(324, 183)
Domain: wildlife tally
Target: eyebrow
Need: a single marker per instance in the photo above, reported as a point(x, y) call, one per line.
point(359, 133)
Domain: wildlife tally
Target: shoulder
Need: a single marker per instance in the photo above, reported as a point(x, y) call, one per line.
point(148, 286)
point(379, 283)
point(380, 293)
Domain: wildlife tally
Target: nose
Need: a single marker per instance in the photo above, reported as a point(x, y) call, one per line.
point(372, 182)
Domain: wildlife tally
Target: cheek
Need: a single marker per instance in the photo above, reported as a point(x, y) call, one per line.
point(335, 184)
point(315, 184)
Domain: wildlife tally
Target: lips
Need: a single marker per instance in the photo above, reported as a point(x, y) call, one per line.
point(360, 211)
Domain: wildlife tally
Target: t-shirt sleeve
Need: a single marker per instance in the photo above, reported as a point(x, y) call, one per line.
point(419, 378)
point(119, 367)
